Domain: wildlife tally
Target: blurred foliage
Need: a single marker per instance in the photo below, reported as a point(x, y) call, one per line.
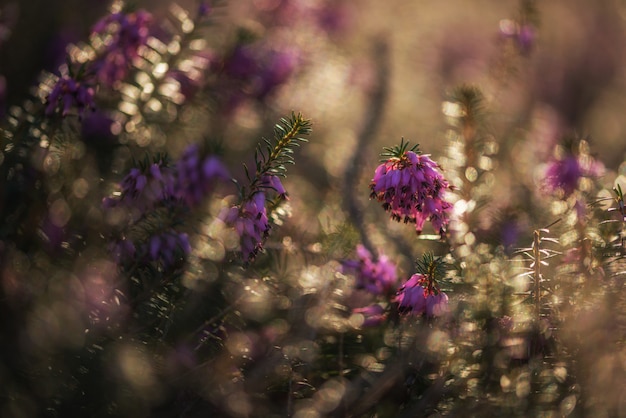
point(120, 295)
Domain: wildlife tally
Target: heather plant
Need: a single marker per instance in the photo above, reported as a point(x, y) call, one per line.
point(165, 252)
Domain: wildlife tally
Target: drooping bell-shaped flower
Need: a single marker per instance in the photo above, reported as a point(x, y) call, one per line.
point(421, 295)
point(412, 189)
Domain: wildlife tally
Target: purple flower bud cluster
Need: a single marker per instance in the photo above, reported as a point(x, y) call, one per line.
point(126, 33)
point(412, 190)
point(69, 93)
point(251, 223)
point(167, 248)
point(252, 71)
point(420, 295)
point(144, 188)
point(377, 277)
point(565, 173)
point(197, 175)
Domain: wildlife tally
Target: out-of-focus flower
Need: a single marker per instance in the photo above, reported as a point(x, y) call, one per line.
point(197, 175)
point(564, 174)
point(419, 296)
point(69, 93)
point(373, 315)
point(144, 187)
point(124, 34)
point(276, 69)
point(167, 247)
point(377, 277)
point(254, 72)
point(412, 189)
point(251, 223)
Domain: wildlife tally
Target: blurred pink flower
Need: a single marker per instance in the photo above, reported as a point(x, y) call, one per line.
point(376, 276)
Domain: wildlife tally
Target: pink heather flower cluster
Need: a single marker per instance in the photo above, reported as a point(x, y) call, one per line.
point(127, 32)
point(412, 190)
point(196, 175)
point(420, 295)
point(377, 277)
point(565, 173)
point(69, 93)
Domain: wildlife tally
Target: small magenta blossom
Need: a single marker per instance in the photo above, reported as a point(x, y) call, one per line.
point(69, 93)
point(197, 175)
point(376, 276)
point(565, 173)
point(419, 296)
point(125, 34)
point(412, 189)
point(251, 223)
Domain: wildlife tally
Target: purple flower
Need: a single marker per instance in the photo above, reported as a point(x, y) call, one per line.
point(420, 295)
point(274, 183)
point(437, 305)
point(373, 315)
point(166, 248)
point(145, 187)
point(254, 71)
point(412, 190)
point(251, 223)
point(126, 33)
point(69, 93)
point(197, 175)
point(276, 70)
point(565, 173)
point(377, 277)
